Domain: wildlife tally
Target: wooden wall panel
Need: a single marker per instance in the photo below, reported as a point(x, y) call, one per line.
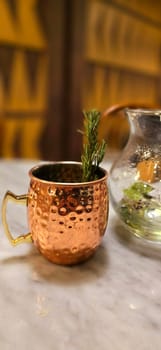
point(116, 38)
point(122, 55)
point(66, 33)
point(144, 8)
point(92, 54)
point(22, 26)
point(23, 79)
point(122, 59)
point(104, 86)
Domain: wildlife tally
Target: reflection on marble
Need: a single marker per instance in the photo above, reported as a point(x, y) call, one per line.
point(113, 301)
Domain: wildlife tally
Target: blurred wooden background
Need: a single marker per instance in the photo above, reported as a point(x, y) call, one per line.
point(58, 57)
point(23, 79)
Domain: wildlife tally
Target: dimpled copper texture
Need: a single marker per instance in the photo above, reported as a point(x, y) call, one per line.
point(67, 218)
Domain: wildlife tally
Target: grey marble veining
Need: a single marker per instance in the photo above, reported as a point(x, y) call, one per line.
point(113, 301)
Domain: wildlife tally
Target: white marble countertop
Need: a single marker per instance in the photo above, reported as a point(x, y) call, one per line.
point(113, 301)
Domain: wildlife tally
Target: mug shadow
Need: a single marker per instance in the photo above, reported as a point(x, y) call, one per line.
point(44, 270)
point(136, 244)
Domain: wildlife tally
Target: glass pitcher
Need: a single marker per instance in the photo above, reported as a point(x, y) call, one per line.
point(135, 178)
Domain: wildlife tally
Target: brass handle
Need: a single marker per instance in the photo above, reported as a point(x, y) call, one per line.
point(22, 238)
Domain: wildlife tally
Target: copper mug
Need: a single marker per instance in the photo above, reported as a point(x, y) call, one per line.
point(67, 218)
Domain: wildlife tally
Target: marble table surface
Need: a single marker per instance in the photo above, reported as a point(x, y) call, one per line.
point(113, 301)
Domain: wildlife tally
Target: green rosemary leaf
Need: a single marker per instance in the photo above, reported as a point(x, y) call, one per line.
point(93, 150)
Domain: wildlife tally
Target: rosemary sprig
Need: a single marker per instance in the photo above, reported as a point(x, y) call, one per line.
point(93, 150)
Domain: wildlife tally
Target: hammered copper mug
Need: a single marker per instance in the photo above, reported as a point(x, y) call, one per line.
point(67, 218)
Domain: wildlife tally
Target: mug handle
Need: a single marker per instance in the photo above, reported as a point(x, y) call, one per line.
point(12, 197)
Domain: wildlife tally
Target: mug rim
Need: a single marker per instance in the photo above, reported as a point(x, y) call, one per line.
point(75, 184)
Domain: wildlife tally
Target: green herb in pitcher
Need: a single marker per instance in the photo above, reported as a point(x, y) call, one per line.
point(140, 210)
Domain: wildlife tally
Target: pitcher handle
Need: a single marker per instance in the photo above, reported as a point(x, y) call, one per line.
point(26, 238)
